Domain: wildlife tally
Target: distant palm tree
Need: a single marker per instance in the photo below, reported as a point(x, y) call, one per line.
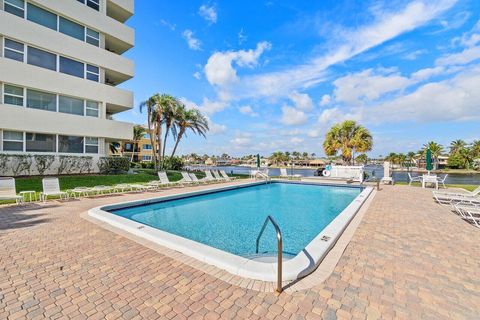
point(347, 137)
point(138, 133)
point(476, 148)
point(456, 145)
point(192, 120)
point(150, 104)
point(436, 150)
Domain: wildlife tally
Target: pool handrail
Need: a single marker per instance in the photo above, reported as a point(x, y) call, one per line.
point(279, 249)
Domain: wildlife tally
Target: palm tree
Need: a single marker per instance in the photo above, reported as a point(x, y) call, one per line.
point(362, 158)
point(476, 148)
point(347, 137)
point(138, 133)
point(456, 145)
point(192, 120)
point(401, 158)
point(436, 150)
point(150, 104)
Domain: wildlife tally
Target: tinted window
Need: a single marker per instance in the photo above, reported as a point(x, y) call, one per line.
point(70, 144)
point(72, 67)
point(16, 7)
point(72, 29)
point(12, 141)
point(14, 50)
point(93, 37)
point(94, 4)
point(93, 73)
point(41, 100)
point(92, 109)
point(70, 105)
point(41, 16)
point(37, 142)
point(42, 59)
point(12, 95)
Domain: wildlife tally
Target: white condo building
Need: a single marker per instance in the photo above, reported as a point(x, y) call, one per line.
point(60, 64)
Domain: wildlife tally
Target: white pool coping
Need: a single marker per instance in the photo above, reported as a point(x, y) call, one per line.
point(298, 267)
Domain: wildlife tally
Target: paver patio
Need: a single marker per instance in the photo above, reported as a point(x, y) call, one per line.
point(409, 258)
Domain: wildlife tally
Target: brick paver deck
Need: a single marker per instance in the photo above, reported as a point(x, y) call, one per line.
point(409, 258)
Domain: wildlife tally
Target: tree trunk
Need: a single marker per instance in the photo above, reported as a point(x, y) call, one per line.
point(179, 137)
point(159, 138)
point(152, 137)
point(165, 143)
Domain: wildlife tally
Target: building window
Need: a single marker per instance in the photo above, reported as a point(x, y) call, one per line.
point(146, 158)
point(38, 142)
point(92, 109)
point(70, 105)
point(147, 147)
point(70, 144)
point(146, 136)
point(72, 29)
point(16, 7)
point(41, 16)
point(12, 95)
point(14, 50)
point(72, 67)
point(93, 73)
point(94, 4)
point(41, 100)
point(91, 145)
point(93, 37)
point(12, 141)
point(42, 59)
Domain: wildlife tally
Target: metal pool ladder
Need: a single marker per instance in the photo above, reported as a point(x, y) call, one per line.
point(280, 246)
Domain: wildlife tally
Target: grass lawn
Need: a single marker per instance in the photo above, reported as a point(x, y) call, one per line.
point(70, 182)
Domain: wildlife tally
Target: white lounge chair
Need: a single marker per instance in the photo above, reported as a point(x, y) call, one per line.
point(164, 181)
point(78, 192)
point(186, 178)
point(217, 176)
point(442, 180)
point(209, 177)
point(226, 176)
point(470, 213)
point(51, 187)
point(284, 174)
point(452, 198)
point(122, 187)
point(8, 190)
point(460, 192)
point(413, 179)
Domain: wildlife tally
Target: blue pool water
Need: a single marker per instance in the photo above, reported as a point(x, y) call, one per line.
point(231, 220)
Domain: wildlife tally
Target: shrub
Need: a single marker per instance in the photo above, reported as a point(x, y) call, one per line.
point(21, 163)
point(173, 163)
point(113, 165)
point(43, 162)
point(147, 165)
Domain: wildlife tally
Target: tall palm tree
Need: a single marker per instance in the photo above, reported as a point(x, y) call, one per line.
point(150, 104)
point(347, 137)
point(138, 133)
point(476, 148)
point(436, 150)
point(192, 120)
point(168, 106)
point(456, 145)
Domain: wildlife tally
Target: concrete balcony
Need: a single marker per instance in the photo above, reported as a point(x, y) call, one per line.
point(41, 121)
point(118, 37)
point(120, 10)
point(34, 34)
point(26, 75)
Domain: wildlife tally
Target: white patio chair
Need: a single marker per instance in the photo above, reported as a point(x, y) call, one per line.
point(413, 179)
point(8, 190)
point(442, 180)
point(164, 181)
point(470, 213)
point(226, 176)
point(51, 187)
point(187, 179)
point(208, 176)
point(452, 198)
point(78, 192)
point(217, 176)
point(460, 192)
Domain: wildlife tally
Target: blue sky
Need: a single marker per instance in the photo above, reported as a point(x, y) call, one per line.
point(275, 75)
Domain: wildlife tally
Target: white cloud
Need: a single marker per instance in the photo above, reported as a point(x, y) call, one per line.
point(367, 85)
point(247, 110)
point(219, 69)
point(193, 43)
point(414, 54)
point(466, 56)
point(292, 116)
point(216, 128)
point(197, 75)
point(325, 100)
point(242, 37)
point(302, 101)
point(455, 99)
point(210, 107)
point(313, 133)
point(426, 73)
point(386, 26)
point(169, 25)
point(208, 13)
point(296, 140)
point(335, 115)
point(241, 140)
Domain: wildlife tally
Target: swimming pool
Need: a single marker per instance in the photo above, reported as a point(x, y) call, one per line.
point(220, 225)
